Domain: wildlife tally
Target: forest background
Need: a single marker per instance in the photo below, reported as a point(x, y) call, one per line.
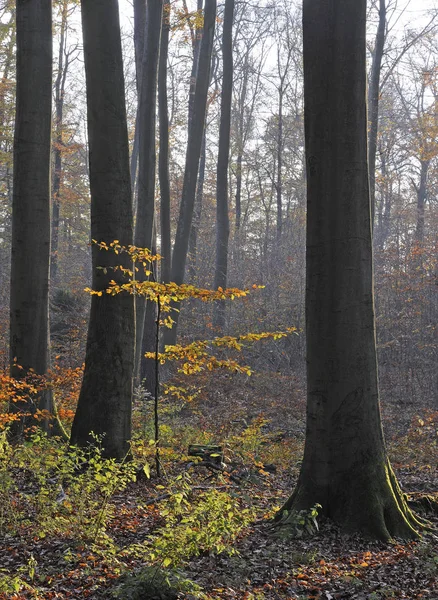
point(266, 180)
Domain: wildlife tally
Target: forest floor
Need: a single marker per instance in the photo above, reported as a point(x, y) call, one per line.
point(203, 532)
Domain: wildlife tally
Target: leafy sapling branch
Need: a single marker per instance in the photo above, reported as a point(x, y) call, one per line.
point(198, 356)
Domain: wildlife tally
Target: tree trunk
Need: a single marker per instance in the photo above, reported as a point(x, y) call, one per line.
point(139, 36)
point(163, 157)
point(57, 154)
point(421, 201)
point(104, 406)
point(373, 104)
point(197, 212)
point(29, 309)
point(279, 183)
point(147, 155)
point(222, 218)
point(196, 129)
point(345, 466)
point(147, 367)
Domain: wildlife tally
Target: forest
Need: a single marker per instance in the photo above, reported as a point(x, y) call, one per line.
point(219, 299)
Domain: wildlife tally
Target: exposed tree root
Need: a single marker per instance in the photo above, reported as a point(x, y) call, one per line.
point(423, 503)
point(372, 506)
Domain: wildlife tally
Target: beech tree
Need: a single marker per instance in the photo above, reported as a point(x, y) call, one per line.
point(222, 218)
point(104, 406)
point(345, 466)
point(193, 153)
point(29, 293)
point(146, 158)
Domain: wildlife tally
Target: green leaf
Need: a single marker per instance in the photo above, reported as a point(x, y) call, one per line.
point(147, 470)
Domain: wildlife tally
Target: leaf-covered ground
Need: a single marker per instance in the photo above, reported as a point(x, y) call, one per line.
point(261, 433)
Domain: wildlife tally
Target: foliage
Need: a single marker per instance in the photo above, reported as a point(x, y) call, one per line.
point(301, 523)
point(67, 490)
point(63, 381)
point(151, 582)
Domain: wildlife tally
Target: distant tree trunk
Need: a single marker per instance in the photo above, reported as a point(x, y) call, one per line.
point(279, 182)
point(163, 157)
point(147, 365)
point(373, 103)
point(345, 466)
point(139, 36)
point(57, 152)
point(104, 406)
point(29, 309)
point(197, 211)
point(196, 46)
point(196, 129)
point(147, 155)
point(197, 208)
point(421, 190)
point(222, 218)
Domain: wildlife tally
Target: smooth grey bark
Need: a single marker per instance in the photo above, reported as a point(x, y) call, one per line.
point(373, 103)
point(222, 217)
point(29, 293)
point(345, 467)
point(147, 154)
point(163, 156)
point(196, 130)
point(104, 406)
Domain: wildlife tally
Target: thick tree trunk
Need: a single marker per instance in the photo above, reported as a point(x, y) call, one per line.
point(104, 406)
point(373, 103)
point(222, 217)
point(196, 129)
point(345, 467)
point(147, 155)
point(31, 202)
point(163, 157)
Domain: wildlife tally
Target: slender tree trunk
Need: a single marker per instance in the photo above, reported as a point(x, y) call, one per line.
point(197, 212)
point(222, 218)
point(279, 183)
point(421, 201)
point(147, 372)
point(345, 466)
point(196, 45)
point(373, 103)
point(147, 154)
point(163, 157)
point(196, 129)
point(57, 153)
point(139, 36)
point(29, 309)
point(104, 406)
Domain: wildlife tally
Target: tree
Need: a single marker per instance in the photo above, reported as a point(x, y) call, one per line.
point(29, 308)
point(104, 406)
point(345, 466)
point(222, 218)
point(65, 57)
point(146, 158)
point(373, 102)
point(196, 130)
point(163, 156)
